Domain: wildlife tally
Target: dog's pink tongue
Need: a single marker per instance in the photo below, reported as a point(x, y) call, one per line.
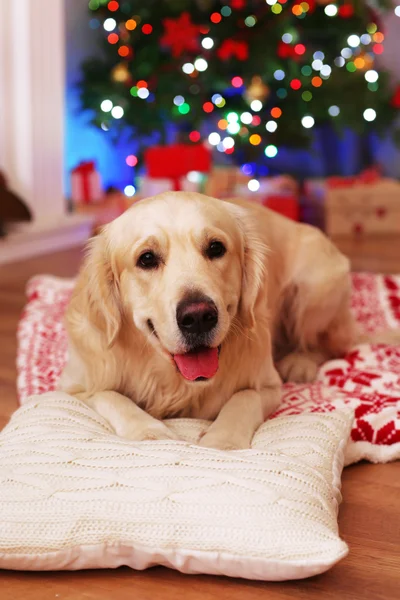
point(202, 363)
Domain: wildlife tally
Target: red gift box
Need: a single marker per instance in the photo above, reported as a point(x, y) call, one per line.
point(288, 206)
point(86, 184)
point(175, 161)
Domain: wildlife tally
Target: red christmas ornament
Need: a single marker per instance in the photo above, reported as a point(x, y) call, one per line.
point(346, 11)
point(285, 50)
point(395, 101)
point(180, 34)
point(230, 48)
point(238, 4)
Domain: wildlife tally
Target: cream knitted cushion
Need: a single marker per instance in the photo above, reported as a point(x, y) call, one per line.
point(73, 495)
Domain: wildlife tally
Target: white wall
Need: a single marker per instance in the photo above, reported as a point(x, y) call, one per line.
point(32, 46)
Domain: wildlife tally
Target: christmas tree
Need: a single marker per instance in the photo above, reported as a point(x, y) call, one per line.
point(245, 76)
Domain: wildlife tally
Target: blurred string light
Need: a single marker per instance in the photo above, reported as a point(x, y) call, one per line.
point(144, 93)
point(232, 117)
point(207, 43)
point(117, 112)
point(178, 100)
point(222, 124)
point(276, 112)
point(194, 136)
point(397, 11)
point(318, 55)
point(214, 138)
point(353, 41)
point(233, 127)
point(306, 96)
point(131, 160)
point(271, 126)
point(287, 38)
point(246, 118)
point(365, 39)
point(308, 121)
point(184, 108)
point(237, 82)
point(194, 176)
point(200, 64)
point(130, 190)
point(317, 64)
point(339, 61)
point(215, 18)
point(253, 185)
point(331, 10)
point(276, 9)
point(250, 21)
point(346, 53)
point(271, 151)
point(104, 127)
point(334, 111)
point(228, 142)
point(188, 68)
point(110, 24)
point(255, 139)
point(247, 169)
point(256, 105)
point(216, 99)
point(371, 76)
point(131, 24)
point(369, 114)
point(106, 105)
point(325, 71)
point(279, 74)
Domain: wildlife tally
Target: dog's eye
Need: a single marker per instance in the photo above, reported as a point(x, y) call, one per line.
point(215, 250)
point(148, 260)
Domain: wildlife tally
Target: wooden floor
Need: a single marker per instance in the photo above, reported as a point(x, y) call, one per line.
point(369, 516)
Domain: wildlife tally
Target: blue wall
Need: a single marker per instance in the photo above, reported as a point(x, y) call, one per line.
point(82, 140)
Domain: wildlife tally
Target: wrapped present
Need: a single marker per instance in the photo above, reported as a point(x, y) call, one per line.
point(149, 186)
point(175, 167)
point(225, 182)
point(365, 205)
point(112, 205)
point(86, 185)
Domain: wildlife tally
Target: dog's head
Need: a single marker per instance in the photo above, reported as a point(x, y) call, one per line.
point(184, 268)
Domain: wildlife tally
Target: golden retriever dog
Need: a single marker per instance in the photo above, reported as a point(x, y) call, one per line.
point(188, 306)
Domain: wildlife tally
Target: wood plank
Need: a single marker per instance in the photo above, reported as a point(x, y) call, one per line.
point(369, 516)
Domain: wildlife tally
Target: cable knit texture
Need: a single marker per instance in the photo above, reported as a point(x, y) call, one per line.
point(73, 495)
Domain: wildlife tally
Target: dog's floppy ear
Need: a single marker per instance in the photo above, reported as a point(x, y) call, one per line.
point(255, 255)
point(96, 299)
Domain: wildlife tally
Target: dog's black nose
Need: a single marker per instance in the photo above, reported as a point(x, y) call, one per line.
point(196, 316)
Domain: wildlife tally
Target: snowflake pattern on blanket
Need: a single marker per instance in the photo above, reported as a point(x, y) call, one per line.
point(367, 379)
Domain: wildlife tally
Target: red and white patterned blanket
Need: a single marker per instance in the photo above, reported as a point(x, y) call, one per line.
point(368, 379)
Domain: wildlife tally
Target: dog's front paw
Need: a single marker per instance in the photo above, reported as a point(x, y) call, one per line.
point(221, 440)
point(298, 367)
point(141, 432)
